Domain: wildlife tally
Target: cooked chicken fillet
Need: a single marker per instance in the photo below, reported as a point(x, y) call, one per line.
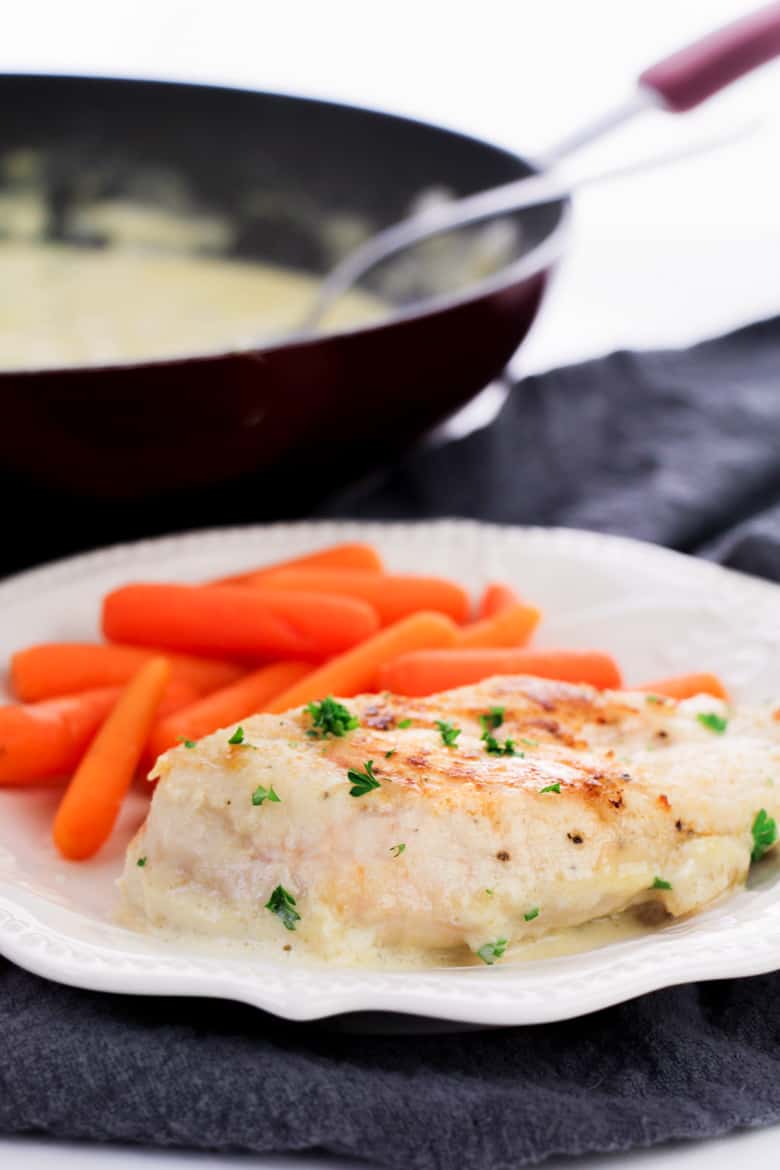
point(611, 800)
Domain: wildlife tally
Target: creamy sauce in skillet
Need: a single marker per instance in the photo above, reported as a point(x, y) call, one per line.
point(63, 305)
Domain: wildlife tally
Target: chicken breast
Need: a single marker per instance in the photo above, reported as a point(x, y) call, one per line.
point(457, 826)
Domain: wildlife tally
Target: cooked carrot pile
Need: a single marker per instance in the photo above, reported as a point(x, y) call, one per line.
point(179, 661)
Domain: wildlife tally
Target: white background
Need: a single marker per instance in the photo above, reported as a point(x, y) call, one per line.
point(660, 258)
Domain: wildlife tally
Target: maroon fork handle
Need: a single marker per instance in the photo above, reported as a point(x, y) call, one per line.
point(700, 70)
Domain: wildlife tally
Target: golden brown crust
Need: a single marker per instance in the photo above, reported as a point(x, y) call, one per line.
point(546, 716)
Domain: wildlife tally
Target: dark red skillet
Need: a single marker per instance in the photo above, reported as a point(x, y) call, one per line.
point(99, 454)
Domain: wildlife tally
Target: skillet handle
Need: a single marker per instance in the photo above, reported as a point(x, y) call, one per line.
point(696, 72)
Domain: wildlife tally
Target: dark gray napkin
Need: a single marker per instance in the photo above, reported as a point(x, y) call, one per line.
point(681, 448)
point(688, 1063)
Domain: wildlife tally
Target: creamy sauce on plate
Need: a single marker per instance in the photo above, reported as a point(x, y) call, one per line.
point(573, 940)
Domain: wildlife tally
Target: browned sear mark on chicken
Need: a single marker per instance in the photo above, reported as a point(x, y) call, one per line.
point(379, 718)
point(551, 726)
point(553, 729)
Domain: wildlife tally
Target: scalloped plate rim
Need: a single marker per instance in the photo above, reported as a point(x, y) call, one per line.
point(463, 996)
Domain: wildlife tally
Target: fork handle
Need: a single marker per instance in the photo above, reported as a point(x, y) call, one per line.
point(696, 72)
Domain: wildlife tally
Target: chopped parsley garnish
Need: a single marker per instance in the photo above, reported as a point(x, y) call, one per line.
point(282, 904)
point(491, 720)
point(237, 736)
point(497, 749)
point(529, 742)
point(404, 724)
point(389, 754)
point(489, 893)
point(660, 883)
point(449, 734)
point(397, 850)
point(492, 951)
point(362, 782)
point(552, 787)
point(141, 862)
point(653, 699)
point(330, 718)
point(531, 914)
point(188, 743)
point(764, 834)
point(260, 794)
point(713, 721)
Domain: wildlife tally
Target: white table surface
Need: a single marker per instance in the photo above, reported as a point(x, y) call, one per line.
point(664, 258)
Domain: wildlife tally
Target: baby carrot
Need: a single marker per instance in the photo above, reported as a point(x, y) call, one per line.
point(357, 670)
point(511, 626)
point(230, 705)
point(229, 620)
point(685, 686)
point(393, 595)
point(425, 672)
point(338, 556)
point(90, 805)
point(496, 597)
point(177, 695)
point(62, 668)
point(45, 741)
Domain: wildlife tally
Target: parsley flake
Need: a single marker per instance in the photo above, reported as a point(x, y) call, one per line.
point(491, 720)
point(362, 782)
point(390, 754)
point(260, 794)
point(449, 734)
point(237, 736)
point(282, 904)
point(713, 721)
point(141, 862)
point(530, 742)
point(653, 699)
point(489, 952)
point(660, 883)
point(764, 834)
point(494, 748)
point(404, 724)
point(330, 718)
point(531, 914)
point(552, 787)
point(188, 743)
point(397, 850)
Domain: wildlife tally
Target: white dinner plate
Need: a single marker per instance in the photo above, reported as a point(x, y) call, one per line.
point(657, 611)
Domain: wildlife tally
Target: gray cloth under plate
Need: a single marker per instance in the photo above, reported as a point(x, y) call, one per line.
point(682, 448)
